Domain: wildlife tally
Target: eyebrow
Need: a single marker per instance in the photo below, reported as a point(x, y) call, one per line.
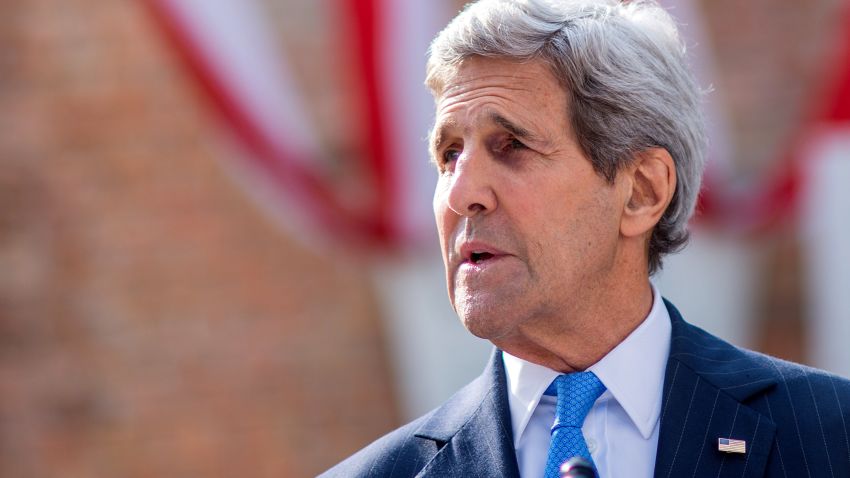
point(513, 128)
point(438, 135)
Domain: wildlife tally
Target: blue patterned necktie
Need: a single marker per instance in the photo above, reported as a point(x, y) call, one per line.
point(576, 394)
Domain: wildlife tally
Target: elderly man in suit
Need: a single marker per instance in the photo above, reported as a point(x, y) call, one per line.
point(569, 147)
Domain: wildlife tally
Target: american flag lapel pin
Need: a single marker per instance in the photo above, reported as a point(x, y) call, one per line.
point(728, 445)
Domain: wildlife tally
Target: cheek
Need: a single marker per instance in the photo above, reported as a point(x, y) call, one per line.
point(439, 203)
point(440, 213)
point(589, 233)
point(443, 218)
point(570, 229)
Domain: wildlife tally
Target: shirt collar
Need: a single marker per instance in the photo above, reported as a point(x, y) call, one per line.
point(633, 373)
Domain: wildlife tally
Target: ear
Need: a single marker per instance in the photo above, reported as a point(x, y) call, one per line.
point(652, 181)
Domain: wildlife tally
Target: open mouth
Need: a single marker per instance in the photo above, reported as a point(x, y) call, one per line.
point(478, 257)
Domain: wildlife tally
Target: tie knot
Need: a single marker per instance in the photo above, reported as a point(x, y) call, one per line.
point(577, 393)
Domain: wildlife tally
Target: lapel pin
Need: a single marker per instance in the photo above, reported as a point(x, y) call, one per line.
point(728, 445)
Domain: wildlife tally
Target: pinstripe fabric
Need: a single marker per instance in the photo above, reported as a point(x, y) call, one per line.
point(794, 419)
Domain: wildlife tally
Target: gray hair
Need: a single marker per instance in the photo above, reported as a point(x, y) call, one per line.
point(624, 69)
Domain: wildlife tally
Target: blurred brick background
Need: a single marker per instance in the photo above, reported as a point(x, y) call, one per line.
point(153, 322)
point(771, 57)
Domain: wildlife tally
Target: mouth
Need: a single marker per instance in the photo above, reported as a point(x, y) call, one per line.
point(478, 257)
point(476, 253)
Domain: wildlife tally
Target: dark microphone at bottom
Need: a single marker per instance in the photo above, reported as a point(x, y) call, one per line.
point(577, 467)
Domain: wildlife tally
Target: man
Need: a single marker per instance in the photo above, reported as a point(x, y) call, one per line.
point(569, 146)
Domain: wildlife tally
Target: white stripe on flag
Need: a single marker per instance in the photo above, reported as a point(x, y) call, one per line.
point(409, 26)
point(826, 228)
point(237, 42)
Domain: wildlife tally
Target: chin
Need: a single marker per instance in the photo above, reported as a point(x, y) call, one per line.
point(483, 320)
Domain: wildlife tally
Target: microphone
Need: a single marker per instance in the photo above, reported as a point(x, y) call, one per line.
point(577, 467)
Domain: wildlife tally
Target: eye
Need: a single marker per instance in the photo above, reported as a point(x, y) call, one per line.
point(507, 146)
point(514, 144)
point(449, 156)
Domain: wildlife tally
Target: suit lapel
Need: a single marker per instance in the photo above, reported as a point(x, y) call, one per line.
point(473, 430)
point(706, 386)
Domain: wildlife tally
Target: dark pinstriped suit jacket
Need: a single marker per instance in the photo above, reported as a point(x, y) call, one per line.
point(794, 419)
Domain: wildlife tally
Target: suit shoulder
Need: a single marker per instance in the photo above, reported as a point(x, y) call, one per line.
point(398, 453)
point(746, 375)
point(818, 384)
point(731, 367)
point(803, 379)
point(807, 403)
point(797, 375)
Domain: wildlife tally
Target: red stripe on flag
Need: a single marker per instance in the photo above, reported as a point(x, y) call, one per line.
point(309, 189)
point(367, 27)
point(775, 201)
point(838, 110)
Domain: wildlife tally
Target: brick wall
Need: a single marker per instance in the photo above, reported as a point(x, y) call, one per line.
point(772, 58)
point(152, 321)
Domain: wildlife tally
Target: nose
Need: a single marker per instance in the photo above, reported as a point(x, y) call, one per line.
point(470, 189)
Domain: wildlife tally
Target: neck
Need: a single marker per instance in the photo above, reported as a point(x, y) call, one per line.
point(576, 339)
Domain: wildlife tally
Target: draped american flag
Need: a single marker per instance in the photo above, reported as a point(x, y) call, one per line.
point(377, 48)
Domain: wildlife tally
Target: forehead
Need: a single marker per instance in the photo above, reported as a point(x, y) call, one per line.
point(487, 91)
point(478, 75)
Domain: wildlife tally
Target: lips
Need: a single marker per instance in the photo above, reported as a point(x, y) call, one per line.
point(478, 253)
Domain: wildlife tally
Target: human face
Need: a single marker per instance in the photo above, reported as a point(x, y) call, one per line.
point(529, 231)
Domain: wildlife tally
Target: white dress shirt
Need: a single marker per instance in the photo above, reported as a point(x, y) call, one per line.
point(621, 429)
